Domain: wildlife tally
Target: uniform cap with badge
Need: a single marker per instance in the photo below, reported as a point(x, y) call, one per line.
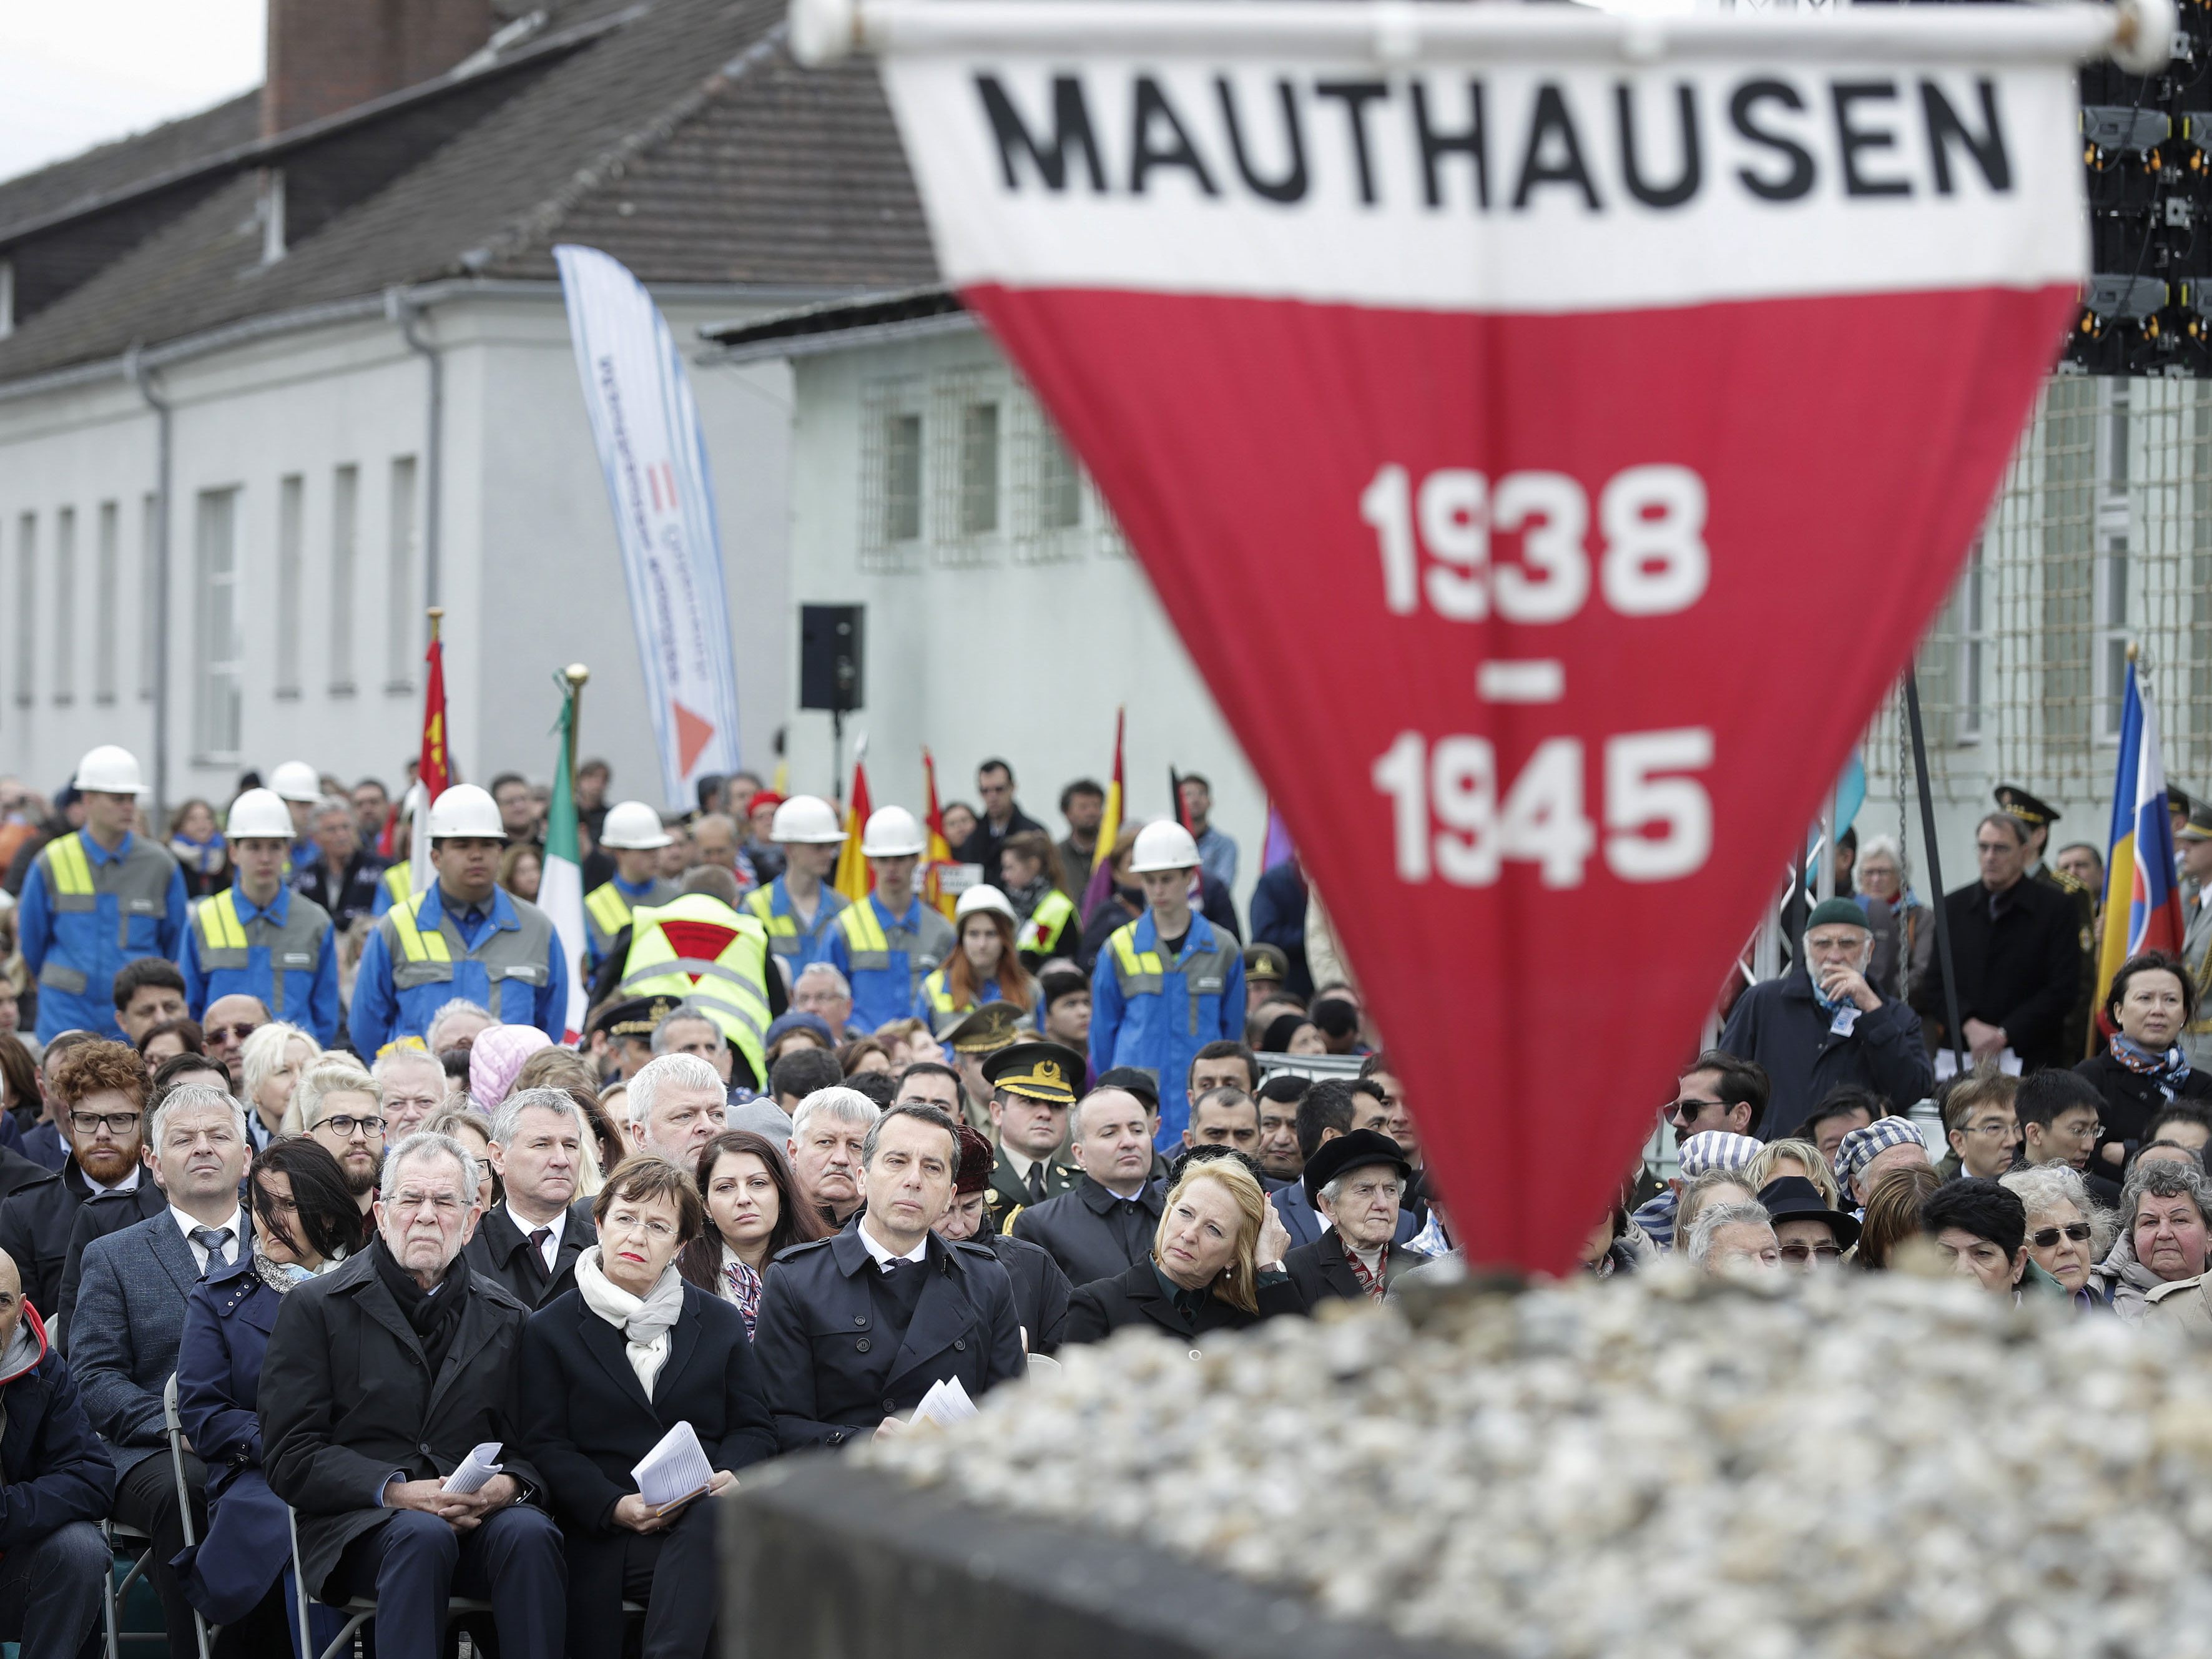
point(640, 1017)
point(989, 1028)
point(2197, 826)
point(2035, 814)
point(1049, 1072)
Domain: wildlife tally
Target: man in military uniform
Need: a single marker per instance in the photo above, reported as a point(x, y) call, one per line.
point(622, 1034)
point(858, 1326)
point(2194, 843)
point(2038, 819)
point(1032, 1086)
point(994, 1026)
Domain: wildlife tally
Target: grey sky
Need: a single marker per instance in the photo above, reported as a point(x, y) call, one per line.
point(78, 74)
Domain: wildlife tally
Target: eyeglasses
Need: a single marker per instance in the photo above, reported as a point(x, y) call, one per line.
point(1685, 1110)
point(234, 1033)
point(346, 1124)
point(2043, 1238)
point(115, 1123)
point(1802, 1253)
point(1996, 1125)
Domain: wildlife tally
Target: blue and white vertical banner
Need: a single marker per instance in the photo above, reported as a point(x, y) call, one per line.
point(646, 426)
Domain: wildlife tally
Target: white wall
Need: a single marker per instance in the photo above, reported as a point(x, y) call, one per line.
point(531, 578)
point(1026, 661)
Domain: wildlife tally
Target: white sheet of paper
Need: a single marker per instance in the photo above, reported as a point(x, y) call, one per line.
point(478, 1466)
point(1946, 1063)
point(946, 1404)
point(675, 1469)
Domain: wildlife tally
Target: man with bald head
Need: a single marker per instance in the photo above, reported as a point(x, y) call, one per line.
point(60, 1483)
point(1104, 1225)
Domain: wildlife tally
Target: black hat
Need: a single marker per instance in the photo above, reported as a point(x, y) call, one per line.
point(638, 1018)
point(2025, 807)
point(1138, 1080)
point(1341, 1153)
point(1036, 1071)
point(1792, 1197)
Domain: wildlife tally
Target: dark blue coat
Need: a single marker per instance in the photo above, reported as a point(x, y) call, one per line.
point(228, 1319)
point(56, 1469)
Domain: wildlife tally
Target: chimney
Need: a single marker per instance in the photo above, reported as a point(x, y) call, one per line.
point(325, 56)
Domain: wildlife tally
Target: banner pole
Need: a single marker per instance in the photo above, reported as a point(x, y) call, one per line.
point(1935, 869)
point(575, 674)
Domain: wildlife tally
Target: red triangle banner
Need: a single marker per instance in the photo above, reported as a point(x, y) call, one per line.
point(1595, 440)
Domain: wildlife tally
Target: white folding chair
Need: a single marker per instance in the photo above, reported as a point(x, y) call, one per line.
point(175, 1429)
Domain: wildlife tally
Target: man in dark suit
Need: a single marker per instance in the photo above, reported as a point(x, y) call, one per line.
point(131, 1315)
point(1354, 1183)
point(381, 1375)
point(858, 1326)
point(1032, 1086)
point(1105, 1224)
point(2015, 948)
point(530, 1243)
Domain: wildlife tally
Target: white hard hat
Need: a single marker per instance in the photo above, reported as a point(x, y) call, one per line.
point(259, 815)
point(296, 780)
point(108, 770)
point(806, 820)
point(983, 898)
point(633, 827)
point(1163, 846)
point(892, 833)
point(466, 810)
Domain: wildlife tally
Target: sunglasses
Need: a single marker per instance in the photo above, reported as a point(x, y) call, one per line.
point(2045, 1238)
point(1811, 1253)
point(234, 1033)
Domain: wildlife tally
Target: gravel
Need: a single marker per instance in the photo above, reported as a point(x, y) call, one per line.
point(1866, 1466)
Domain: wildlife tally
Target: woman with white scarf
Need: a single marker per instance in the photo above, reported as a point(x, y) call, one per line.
point(609, 1368)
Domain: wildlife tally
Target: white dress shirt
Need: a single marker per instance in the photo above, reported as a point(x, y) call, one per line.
point(881, 1253)
point(549, 1251)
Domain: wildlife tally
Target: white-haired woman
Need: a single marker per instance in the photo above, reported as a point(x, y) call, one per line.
point(1903, 932)
point(2163, 1210)
point(272, 1062)
point(2067, 1235)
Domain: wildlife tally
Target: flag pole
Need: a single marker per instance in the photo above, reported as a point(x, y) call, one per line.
point(575, 674)
point(1934, 870)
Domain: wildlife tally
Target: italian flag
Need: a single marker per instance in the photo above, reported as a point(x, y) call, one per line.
point(561, 887)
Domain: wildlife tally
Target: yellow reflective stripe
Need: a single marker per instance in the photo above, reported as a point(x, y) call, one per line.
point(758, 904)
point(861, 929)
point(414, 943)
point(608, 907)
point(1133, 960)
point(65, 863)
point(219, 923)
point(940, 997)
point(398, 881)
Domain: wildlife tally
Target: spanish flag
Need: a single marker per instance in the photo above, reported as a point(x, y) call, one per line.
point(939, 851)
point(2142, 899)
point(854, 877)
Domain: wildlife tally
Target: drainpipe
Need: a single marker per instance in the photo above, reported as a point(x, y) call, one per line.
point(134, 369)
point(401, 306)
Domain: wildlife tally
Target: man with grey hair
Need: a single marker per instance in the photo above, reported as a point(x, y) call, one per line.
point(689, 1029)
point(821, 988)
point(1355, 1183)
point(129, 1315)
point(1734, 1238)
point(414, 1085)
point(676, 1105)
point(343, 880)
point(2016, 953)
point(380, 1376)
point(530, 1243)
point(827, 1132)
point(456, 1025)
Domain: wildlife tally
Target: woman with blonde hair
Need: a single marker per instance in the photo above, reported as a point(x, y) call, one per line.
point(272, 1063)
point(1797, 1157)
point(1892, 1214)
point(1216, 1262)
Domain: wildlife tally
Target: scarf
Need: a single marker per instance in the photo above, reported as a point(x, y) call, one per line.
point(435, 1318)
point(741, 1287)
point(202, 858)
point(282, 1276)
point(2169, 1070)
point(1026, 897)
point(644, 1322)
point(1371, 1282)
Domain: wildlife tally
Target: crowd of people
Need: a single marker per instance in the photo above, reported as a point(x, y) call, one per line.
point(304, 1142)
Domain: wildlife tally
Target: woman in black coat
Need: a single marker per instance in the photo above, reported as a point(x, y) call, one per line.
point(1216, 1263)
point(2151, 1003)
point(609, 1368)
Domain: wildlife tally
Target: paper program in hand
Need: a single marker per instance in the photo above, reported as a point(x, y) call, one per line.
point(477, 1468)
point(675, 1470)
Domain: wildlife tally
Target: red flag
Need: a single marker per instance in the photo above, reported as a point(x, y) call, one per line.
point(432, 766)
point(939, 853)
point(1529, 410)
point(854, 878)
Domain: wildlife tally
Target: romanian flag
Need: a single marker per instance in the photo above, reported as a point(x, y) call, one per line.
point(1109, 827)
point(939, 851)
point(854, 878)
point(2142, 899)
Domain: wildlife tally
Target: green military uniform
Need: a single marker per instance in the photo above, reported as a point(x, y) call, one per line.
point(2039, 818)
point(1034, 1071)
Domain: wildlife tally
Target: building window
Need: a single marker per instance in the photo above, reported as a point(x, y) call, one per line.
point(978, 470)
point(399, 634)
point(966, 482)
point(107, 593)
point(26, 607)
point(149, 584)
point(345, 542)
point(217, 692)
point(1060, 485)
point(65, 606)
point(901, 477)
point(291, 531)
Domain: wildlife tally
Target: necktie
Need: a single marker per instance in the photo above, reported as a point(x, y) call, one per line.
point(212, 1240)
point(538, 1250)
point(1036, 1182)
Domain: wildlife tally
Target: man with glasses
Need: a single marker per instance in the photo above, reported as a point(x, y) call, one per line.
point(230, 1020)
point(130, 1315)
point(342, 1111)
point(2060, 1115)
point(100, 1098)
point(1979, 1121)
point(1002, 817)
point(1808, 1233)
point(1822, 1025)
point(2016, 957)
point(380, 1376)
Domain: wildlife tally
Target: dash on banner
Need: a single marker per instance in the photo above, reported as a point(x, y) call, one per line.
point(1537, 679)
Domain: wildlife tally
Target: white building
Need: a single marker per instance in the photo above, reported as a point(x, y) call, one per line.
point(309, 347)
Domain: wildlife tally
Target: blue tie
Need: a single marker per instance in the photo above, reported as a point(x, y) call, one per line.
point(212, 1240)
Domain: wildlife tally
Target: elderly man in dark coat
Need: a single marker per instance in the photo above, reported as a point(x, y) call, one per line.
point(1822, 1025)
point(1354, 1183)
point(381, 1377)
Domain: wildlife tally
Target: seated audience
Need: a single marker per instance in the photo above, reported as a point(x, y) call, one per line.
point(1354, 1183)
point(676, 1106)
point(2151, 1001)
point(1729, 1238)
point(379, 1378)
point(531, 1242)
point(1979, 1229)
point(613, 1366)
point(100, 1096)
point(1809, 1230)
point(272, 1060)
point(1979, 1123)
point(2061, 1120)
point(828, 1133)
point(1708, 1151)
point(1041, 1288)
point(1891, 1217)
point(1865, 1156)
point(1104, 1226)
point(2066, 1235)
point(754, 1213)
point(2162, 1235)
point(1794, 1157)
point(414, 1085)
point(1216, 1262)
point(340, 1108)
point(1279, 1155)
